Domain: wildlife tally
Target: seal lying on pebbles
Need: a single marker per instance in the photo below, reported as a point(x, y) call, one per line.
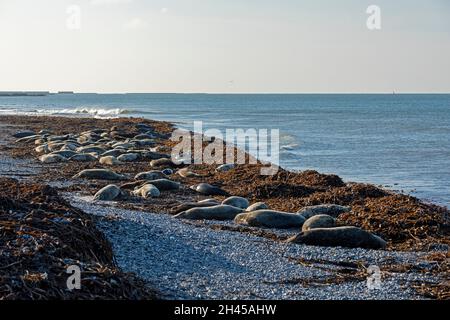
point(65, 153)
point(89, 149)
point(150, 175)
point(113, 152)
point(189, 205)
point(83, 157)
point(162, 162)
point(147, 191)
point(108, 193)
point(165, 184)
point(23, 134)
point(333, 210)
point(128, 157)
point(219, 212)
point(257, 206)
point(319, 221)
point(109, 160)
point(350, 237)
point(52, 158)
point(42, 149)
point(186, 173)
point(99, 174)
point(237, 202)
point(270, 219)
point(225, 167)
point(209, 190)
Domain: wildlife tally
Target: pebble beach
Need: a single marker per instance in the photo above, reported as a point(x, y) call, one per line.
point(157, 237)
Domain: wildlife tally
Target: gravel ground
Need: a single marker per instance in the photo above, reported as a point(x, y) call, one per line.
point(188, 262)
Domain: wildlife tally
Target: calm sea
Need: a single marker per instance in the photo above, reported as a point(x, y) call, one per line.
point(398, 141)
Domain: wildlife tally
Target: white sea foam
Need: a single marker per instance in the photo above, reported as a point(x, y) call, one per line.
point(80, 111)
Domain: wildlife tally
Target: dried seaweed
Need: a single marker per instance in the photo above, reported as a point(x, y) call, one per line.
point(41, 236)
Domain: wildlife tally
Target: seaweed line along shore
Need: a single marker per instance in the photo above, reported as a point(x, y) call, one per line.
point(105, 195)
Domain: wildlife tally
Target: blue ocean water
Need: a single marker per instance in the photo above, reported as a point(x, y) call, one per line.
point(399, 141)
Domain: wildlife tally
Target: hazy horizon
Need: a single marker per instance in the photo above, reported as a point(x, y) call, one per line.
point(235, 47)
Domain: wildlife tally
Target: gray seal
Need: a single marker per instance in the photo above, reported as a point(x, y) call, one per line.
point(52, 158)
point(165, 184)
point(333, 210)
point(147, 191)
point(319, 221)
point(99, 174)
point(108, 193)
point(238, 202)
point(162, 162)
point(128, 157)
point(150, 175)
point(83, 157)
point(189, 205)
point(350, 237)
point(219, 212)
point(109, 160)
point(257, 206)
point(270, 219)
point(209, 190)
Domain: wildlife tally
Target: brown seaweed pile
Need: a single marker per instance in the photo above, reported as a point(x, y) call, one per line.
point(404, 221)
point(41, 236)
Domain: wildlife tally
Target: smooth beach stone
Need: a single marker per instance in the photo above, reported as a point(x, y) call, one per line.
point(208, 190)
point(333, 210)
point(165, 184)
point(150, 175)
point(52, 158)
point(128, 157)
point(238, 202)
point(109, 160)
point(108, 193)
point(23, 134)
point(99, 174)
point(270, 219)
point(65, 153)
point(162, 162)
point(350, 237)
point(147, 191)
point(186, 173)
point(189, 205)
point(114, 153)
point(83, 157)
point(319, 221)
point(218, 212)
point(257, 206)
point(225, 167)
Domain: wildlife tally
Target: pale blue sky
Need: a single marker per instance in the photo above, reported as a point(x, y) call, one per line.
point(225, 46)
